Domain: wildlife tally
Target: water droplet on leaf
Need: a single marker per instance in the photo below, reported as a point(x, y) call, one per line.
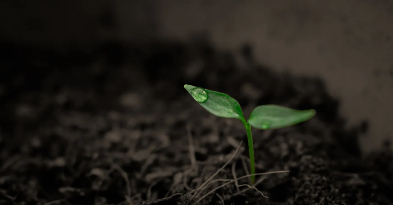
point(230, 111)
point(199, 95)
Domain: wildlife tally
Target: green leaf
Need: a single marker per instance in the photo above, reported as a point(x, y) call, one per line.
point(274, 116)
point(219, 104)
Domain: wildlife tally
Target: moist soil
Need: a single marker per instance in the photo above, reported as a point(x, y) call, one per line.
point(112, 124)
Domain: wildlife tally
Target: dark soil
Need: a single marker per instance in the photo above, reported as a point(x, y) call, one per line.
point(114, 125)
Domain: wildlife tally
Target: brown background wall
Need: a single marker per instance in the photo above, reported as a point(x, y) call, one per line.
point(347, 43)
point(49, 23)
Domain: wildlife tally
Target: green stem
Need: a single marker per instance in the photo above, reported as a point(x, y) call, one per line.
point(251, 151)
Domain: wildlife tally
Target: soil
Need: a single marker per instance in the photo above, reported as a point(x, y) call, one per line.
point(113, 125)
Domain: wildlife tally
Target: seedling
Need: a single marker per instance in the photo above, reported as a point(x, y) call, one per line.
point(262, 117)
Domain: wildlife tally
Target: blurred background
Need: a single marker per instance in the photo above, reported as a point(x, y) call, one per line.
point(349, 44)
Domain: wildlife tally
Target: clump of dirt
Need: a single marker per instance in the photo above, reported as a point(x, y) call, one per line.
point(114, 125)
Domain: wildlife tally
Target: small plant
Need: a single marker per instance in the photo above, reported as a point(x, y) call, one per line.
point(262, 117)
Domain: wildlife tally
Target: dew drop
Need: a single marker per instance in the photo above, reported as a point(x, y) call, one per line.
point(230, 111)
point(265, 126)
point(199, 94)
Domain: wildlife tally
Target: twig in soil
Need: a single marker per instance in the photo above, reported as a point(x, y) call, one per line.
point(232, 181)
point(185, 182)
point(176, 180)
point(8, 163)
point(148, 194)
point(185, 179)
point(207, 181)
point(256, 183)
point(251, 187)
point(191, 147)
point(54, 202)
point(211, 182)
point(245, 166)
point(137, 197)
point(129, 200)
point(125, 176)
point(210, 192)
point(202, 174)
point(150, 159)
point(222, 200)
point(4, 193)
point(234, 176)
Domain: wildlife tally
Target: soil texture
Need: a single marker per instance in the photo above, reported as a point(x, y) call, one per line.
point(114, 125)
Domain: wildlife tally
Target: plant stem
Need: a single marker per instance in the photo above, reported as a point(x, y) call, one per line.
point(251, 151)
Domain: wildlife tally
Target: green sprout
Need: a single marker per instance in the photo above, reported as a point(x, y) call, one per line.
point(262, 117)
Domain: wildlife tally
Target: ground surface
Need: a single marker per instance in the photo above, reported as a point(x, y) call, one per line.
point(114, 125)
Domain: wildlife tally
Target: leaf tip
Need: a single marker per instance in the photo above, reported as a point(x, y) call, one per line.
point(188, 87)
point(312, 113)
